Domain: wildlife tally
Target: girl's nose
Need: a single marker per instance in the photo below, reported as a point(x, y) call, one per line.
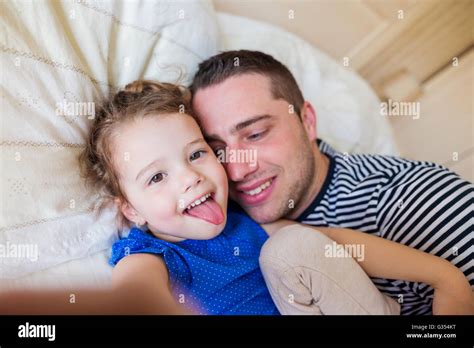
point(191, 179)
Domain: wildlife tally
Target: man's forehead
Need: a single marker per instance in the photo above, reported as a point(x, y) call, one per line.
point(232, 101)
point(237, 85)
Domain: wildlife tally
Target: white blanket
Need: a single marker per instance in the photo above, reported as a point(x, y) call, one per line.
point(57, 58)
point(78, 51)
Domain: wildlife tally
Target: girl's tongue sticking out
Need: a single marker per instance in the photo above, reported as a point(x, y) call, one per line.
point(208, 210)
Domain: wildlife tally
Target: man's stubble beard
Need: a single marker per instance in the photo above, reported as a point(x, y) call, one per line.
point(299, 185)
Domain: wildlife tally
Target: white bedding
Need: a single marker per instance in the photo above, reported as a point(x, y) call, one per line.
point(55, 53)
point(347, 111)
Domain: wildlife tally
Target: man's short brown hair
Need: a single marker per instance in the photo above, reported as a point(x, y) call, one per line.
point(218, 68)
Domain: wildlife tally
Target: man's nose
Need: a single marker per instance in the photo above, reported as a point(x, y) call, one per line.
point(237, 171)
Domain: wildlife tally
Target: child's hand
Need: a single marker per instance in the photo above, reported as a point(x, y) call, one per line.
point(453, 294)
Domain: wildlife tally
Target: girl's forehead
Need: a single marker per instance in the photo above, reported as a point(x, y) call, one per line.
point(151, 136)
point(161, 139)
point(173, 127)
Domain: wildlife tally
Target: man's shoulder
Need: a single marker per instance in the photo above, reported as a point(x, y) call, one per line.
point(387, 168)
point(357, 178)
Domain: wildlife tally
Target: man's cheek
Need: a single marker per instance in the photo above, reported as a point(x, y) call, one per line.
point(272, 155)
point(277, 144)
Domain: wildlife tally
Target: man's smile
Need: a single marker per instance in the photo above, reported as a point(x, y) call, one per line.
point(256, 193)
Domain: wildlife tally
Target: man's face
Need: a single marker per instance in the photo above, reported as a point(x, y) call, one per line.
point(241, 114)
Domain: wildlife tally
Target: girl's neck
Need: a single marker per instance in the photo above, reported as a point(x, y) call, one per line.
point(163, 236)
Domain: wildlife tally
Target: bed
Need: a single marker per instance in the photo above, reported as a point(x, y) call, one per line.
point(60, 53)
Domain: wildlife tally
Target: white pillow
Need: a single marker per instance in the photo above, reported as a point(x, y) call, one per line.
point(57, 55)
point(348, 111)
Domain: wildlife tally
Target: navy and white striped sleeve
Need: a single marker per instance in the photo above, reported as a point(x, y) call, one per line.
point(430, 208)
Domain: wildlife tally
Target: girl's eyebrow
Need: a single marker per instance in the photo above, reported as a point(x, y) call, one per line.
point(144, 170)
point(198, 140)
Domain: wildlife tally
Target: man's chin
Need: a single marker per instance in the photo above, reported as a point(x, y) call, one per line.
point(263, 215)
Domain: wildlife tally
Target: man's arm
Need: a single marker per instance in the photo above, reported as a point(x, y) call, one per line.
point(387, 259)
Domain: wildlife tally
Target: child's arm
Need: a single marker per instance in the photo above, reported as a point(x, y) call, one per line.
point(146, 275)
point(140, 286)
point(386, 259)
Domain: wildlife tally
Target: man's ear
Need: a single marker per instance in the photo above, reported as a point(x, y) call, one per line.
point(308, 117)
point(129, 211)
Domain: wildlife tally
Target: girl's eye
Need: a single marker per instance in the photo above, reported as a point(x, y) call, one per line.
point(196, 155)
point(156, 178)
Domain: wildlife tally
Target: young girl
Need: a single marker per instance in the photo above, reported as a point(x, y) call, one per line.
point(191, 253)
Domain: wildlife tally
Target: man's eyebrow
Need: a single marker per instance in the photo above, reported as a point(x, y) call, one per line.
point(212, 137)
point(238, 127)
point(248, 122)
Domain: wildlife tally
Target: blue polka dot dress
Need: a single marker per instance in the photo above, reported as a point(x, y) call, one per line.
point(217, 276)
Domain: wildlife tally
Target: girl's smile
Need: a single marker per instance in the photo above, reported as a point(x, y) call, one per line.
point(205, 208)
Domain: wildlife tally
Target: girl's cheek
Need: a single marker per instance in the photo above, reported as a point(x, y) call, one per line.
point(162, 203)
point(221, 180)
point(214, 174)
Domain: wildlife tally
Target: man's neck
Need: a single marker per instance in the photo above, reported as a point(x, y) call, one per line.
point(321, 169)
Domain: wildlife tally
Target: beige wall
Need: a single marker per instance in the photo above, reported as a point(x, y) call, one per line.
point(405, 49)
point(337, 27)
point(315, 21)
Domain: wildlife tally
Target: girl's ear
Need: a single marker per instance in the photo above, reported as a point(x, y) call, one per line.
point(129, 211)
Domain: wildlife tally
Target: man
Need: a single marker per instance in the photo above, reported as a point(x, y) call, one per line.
point(248, 101)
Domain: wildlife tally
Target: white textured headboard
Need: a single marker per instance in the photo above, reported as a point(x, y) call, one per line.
point(57, 58)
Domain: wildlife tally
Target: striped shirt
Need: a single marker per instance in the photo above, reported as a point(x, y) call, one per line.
point(419, 204)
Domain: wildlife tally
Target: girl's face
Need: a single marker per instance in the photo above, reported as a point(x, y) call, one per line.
point(171, 177)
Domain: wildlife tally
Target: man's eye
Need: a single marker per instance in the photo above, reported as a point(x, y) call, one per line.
point(156, 178)
point(196, 155)
point(256, 136)
point(218, 150)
